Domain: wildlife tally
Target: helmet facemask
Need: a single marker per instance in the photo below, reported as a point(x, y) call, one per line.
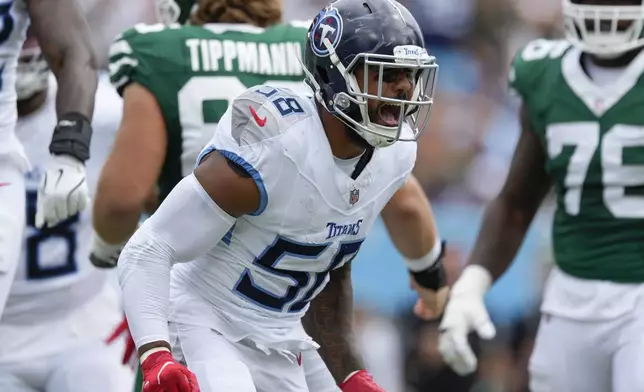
point(352, 107)
point(606, 31)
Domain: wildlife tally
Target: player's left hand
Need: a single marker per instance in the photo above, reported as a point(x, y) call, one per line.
point(161, 373)
point(63, 191)
point(431, 303)
point(129, 358)
point(102, 254)
point(360, 381)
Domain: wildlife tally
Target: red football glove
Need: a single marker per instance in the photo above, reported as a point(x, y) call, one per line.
point(360, 382)
point(161, 373)
point(123, 329)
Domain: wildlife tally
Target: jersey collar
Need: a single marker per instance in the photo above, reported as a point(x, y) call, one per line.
point(599, 99)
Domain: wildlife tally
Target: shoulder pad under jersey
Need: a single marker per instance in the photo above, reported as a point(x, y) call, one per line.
point(264, 112)
point(532, 62)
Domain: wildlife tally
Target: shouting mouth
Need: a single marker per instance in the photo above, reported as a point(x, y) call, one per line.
point(388, 115)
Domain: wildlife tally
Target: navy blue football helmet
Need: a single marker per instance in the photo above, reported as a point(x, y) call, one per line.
point(374, 34)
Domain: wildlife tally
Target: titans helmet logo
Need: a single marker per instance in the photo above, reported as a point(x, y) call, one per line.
point(326, 26)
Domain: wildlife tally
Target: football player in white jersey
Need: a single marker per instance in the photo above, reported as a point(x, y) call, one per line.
point(64, 36)
point(282, 198)
point(60, 309)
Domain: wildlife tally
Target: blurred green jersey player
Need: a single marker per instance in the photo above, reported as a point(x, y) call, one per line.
point(583, 135)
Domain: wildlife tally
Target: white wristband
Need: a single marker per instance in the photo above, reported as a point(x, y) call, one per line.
point(151, 351)
point(421, 264)
point(102, 248)
point(351, 375)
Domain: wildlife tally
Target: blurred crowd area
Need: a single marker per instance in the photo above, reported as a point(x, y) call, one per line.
point(463, 159)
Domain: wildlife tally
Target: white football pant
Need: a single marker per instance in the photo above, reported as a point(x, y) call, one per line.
point(12, 223)
point(67, 354)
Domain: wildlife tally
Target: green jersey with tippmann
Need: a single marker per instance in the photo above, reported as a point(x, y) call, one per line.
point(194, 72)
point(594, 140)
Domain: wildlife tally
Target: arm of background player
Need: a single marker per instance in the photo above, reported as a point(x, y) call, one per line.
point(64, 36)
point(509, 215)
point(410, 222)
point(131, 171)
point(329, 321)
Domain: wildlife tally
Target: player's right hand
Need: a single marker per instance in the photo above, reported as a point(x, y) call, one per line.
point(62, 192)
point(360, 381)
point(430, 303)
point(465, 312)
point(161, 373)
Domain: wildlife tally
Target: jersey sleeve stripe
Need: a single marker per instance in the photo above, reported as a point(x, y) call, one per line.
point(263, 193)
point(118, 84)
point(121, 64)
point(120, 48)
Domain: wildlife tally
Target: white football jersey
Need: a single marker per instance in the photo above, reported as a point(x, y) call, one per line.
point(256, 283)
point(55, 275)
point(14, 21)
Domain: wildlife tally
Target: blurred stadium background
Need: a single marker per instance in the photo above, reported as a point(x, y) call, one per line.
point(463, 159)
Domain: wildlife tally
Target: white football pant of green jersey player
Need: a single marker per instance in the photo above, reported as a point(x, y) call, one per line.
point(597, 352)
point(13, 160)
point(61, 309)
point(590, 337)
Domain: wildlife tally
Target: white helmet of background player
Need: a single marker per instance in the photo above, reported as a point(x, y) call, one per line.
point(606, 28)
point(174, 11)
point(32, 73)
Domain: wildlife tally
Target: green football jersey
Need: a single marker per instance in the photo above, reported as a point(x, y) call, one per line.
point(594, 139)
point(194, 72)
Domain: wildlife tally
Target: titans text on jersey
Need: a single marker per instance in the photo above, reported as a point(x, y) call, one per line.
point(336, 229)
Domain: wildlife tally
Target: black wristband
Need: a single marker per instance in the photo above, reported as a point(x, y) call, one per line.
point(72, 136)
point(432, 278)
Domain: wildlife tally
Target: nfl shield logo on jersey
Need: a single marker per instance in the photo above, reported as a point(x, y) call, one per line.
point(354, 196)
